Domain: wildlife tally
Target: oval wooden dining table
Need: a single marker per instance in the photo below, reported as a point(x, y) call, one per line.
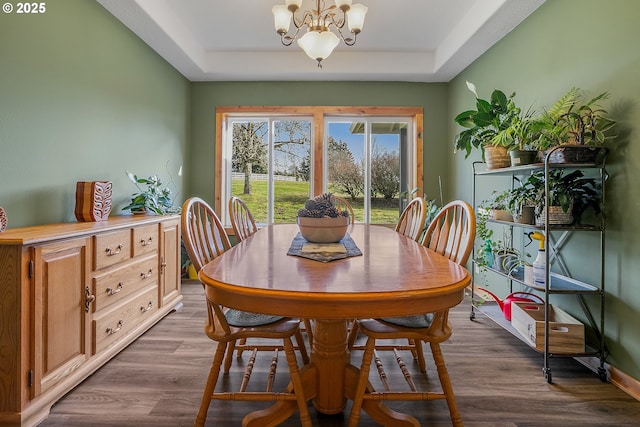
point(394, 276)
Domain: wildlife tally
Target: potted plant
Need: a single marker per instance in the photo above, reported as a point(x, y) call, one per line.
point(497, 206)
point(502, 252)
point(573, 121)
point(521, 204)
point(518, 137)
point(570, 195)
point(484, 124)
point(153, 198)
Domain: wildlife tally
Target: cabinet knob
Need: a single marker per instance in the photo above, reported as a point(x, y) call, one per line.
point(144, 275)
point(146, 242)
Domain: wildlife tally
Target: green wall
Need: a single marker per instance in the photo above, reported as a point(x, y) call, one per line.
point(590, 44)
point(82, 99)
point(207, 96)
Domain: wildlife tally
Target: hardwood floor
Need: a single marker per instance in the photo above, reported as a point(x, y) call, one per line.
point(158, 381)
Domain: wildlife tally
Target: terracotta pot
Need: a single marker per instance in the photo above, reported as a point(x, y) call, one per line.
point(496, 157)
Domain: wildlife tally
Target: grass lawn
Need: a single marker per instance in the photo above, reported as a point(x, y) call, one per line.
point(290, 196)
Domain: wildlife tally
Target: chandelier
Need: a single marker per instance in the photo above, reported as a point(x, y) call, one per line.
point(319, 41)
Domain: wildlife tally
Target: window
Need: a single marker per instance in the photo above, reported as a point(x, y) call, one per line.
point(276, 158)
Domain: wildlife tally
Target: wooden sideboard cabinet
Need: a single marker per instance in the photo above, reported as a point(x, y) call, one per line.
point(72, 296)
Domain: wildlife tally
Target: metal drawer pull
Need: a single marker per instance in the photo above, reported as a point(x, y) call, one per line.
point(144, 309)
point(111, 291)
point(146, 242)
point(111, 331)
point(88, 299)
point(111, 252)
point(145, 276)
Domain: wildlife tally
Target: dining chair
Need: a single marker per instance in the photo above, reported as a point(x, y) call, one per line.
point(412, 218)
point(241, 219)
point(343, 205)
point(205, 239)
point(451, 234)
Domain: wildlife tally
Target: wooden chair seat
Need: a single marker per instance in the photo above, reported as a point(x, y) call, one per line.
point(451, 234)
point(205, 238)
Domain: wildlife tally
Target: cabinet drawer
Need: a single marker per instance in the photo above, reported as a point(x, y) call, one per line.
point(145, 239)
point(111, 248)
point(118, 284)
point(116, 324)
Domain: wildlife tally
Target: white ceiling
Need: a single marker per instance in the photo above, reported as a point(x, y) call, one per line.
point(402, 40)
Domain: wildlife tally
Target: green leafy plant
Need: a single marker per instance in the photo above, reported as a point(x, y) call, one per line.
point(499, 200)
point(152, 198)
point(488, 123)
point(518, 197)
point(573, 120)
point(572, 191)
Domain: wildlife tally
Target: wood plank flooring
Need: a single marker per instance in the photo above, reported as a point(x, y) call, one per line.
point(158, 381)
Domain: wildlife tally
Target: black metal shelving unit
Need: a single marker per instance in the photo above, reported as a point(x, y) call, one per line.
point(556, 282)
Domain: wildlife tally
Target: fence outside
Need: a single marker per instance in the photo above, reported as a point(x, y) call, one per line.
point(263, 177)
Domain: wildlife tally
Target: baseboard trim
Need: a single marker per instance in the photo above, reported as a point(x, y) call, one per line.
point(620, 379)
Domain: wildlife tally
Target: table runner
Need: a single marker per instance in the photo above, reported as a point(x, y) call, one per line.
point(296, 249)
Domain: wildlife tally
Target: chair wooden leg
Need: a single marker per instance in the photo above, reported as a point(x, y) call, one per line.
point(445, 382)
point(354, 417)
point(420, 356)
point(210, 386)
point(296, 380)
point(412, 344)
point(302, 348)
point(242, 343)
point(229, 358)
point(353, 334)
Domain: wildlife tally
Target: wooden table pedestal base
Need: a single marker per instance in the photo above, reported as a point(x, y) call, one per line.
point(329, 380)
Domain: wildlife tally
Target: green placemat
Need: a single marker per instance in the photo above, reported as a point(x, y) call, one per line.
point(316, 253)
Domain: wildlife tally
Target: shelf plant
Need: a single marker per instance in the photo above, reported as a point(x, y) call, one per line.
point(521, 204)
point(486, 124)
point(572, 191)
point(574, 120)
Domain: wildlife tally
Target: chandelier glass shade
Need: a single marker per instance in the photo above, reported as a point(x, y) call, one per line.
point(319, 41)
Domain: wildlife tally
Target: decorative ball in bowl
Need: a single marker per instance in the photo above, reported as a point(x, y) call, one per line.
point(320, 221)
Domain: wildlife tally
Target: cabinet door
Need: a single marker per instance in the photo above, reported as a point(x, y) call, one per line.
point(169, 261)
point(60, 286)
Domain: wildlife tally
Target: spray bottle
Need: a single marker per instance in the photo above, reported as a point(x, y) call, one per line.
point(539, 265)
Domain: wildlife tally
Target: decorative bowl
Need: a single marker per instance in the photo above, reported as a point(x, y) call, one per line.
point(323, 230)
